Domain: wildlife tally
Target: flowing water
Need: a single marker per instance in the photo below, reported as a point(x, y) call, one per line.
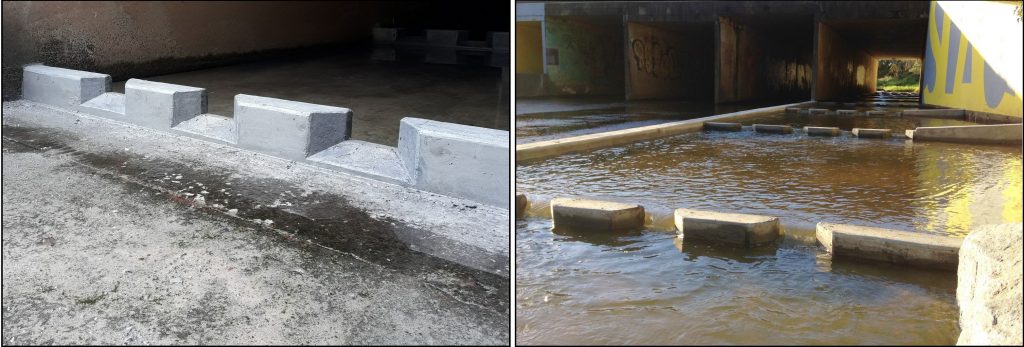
point(651, 287)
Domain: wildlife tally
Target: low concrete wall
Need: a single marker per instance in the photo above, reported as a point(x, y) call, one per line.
point(935, 113)
point(551, 148)
point(893, 246)
point(444, 158)
point(988, 289)
point(596, 216)
point(1009, 134)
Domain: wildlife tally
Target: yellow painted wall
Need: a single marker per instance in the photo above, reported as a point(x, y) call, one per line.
point(529, 57)
point(973, 57)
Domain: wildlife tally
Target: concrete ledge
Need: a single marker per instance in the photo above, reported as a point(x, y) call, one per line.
point(520, 205)
point(551, 148)
point(209, 127)
point(108, 105)
point(62, 87)
point(454, 159)
point(822, 131)
point(1008, 134)
point(597, 216)
point(364, 159)
point(732, 228)
point(161, 105)
point(773, 129)
point(893, 246)
point(846, 112)
point(872, 133)
point(935, 113)
point(723, 126)
point(289, 129)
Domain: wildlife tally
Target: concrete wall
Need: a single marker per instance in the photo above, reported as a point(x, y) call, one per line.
point(584, 55)
point(764, 60)
point(973, 57)
point(529, 48)
point(844, 70)
point(670, 61)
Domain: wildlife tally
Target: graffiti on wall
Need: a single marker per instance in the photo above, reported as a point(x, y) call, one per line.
point(654, 57)
point(977, 86)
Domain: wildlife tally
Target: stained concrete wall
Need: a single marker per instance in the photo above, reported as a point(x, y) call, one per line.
point(843, 69)
point(764, 60)
point(973, 57)
point(670, 61)
point(529, 48)
point(584, 55)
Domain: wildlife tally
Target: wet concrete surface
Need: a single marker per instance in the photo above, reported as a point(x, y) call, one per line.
point(338, 272)
point(380, 93)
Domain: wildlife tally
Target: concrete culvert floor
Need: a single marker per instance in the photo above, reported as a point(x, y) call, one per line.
point(379, 93)
point(105, 242)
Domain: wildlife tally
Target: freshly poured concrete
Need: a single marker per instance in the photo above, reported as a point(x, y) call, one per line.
point(380, 93)
point(887, 245)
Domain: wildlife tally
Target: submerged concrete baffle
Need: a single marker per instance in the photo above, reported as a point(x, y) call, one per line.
point(723, 126)
point(594, 215)
point(520, 205)
point(731, 228)
point(872, 133)
point(819, 111)
point(773, 129)
point(822, 131)
point(792, 110)
point(846, 112)
point(887, 245)
point(875, 113)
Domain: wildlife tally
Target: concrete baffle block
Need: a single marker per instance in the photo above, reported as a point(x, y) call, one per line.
point(819, 111)
point(289, 129)
point(161, 106)
point(989, 134)
point(875, 113)
point(723, 126)
point(731, 228)
point(792, 110)
point(458, 160)
point(773, 129)
point(887, 245)
point(520, 205)
point(846, 112)
point(822, 131)
point(872, 133)
point(596, 216)
point(447, 38)
point(62, 87)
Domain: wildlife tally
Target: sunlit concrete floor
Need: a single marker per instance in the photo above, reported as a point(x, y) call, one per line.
point(380, 93)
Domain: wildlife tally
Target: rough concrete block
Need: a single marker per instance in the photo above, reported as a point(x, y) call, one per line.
point(289, 129)
point(775, 129)
point(161, 106)
point(445, 37)
point(822, 131)
point(723, 126)
point(846, 112)
point(62, 87)
point(935, 113)
point(871, 133)
point(459, 160)
point(500, 41)
point(385, 35)
point(893, 246)
point(1008, 134)
point(520, 205)
point(988, 289)
point(597, 216)
point(733, 228)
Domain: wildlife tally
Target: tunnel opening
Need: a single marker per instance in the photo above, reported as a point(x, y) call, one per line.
point(670, 61)
point(850, 53)
point(899, 75)
point(764, 59)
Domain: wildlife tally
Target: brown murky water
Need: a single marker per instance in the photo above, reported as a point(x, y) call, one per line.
point(649, 288)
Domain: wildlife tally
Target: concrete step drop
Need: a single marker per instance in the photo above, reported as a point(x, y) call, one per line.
point(594, 215)
point(723, 126)
point(520, 205)
point(745, 230)
point(773, 129)
point(887, 245)
point(822, 131)
point(872, 133)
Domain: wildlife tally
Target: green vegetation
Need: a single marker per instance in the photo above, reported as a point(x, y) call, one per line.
point(899, 75)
